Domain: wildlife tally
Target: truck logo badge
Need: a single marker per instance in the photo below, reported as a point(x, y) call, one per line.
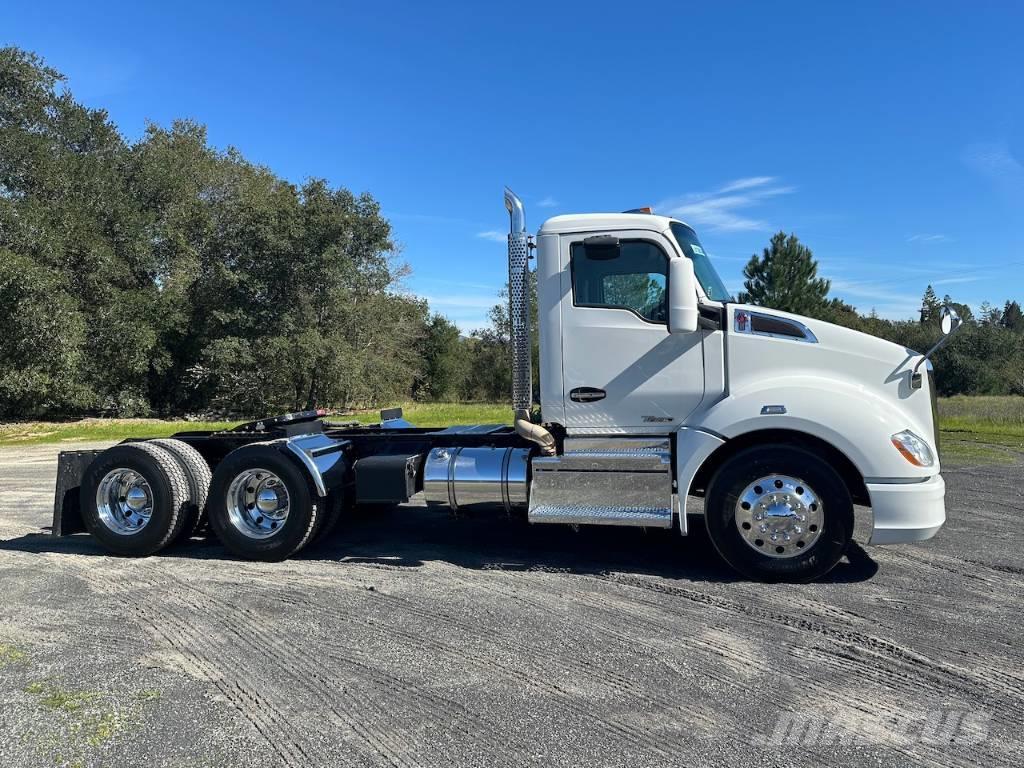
point(658, 419)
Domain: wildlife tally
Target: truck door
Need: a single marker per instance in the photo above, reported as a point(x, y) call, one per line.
point(622, 370)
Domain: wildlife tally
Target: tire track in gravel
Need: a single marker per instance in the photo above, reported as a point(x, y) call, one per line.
point(884, 705)
point(249, 634)
point(630, 639)
point(540, 682)
point(943, 563)
point(232, 677)
point(416, 699)
point(982, 683)
point(265, 717)
point(874, 661)
point(580, 655)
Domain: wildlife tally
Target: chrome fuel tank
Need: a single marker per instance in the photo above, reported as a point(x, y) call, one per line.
point(474, 478)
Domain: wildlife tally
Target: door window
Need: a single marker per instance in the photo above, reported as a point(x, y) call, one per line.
point(635, 281)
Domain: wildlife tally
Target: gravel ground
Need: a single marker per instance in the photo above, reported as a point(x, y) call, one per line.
point(411, 639)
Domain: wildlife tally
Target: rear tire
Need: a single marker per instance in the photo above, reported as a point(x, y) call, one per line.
point(134, 498)
point(199, 477)
point(261, 505)
point(779, 513)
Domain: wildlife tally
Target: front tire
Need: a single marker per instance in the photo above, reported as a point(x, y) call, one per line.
point(261, 505)
point(779, 513)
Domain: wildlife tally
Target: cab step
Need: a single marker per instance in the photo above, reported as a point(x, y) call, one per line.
point(605, 481)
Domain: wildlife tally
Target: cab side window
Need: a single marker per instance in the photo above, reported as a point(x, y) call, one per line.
point(635, 281)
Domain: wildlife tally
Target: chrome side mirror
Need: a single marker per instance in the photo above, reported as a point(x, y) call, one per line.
point(950, 320)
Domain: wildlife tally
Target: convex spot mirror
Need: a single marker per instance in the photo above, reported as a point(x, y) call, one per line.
point(950, 319)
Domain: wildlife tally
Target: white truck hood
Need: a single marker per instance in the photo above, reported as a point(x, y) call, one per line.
point(842, 385)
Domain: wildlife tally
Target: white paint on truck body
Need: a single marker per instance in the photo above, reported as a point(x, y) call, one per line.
point(850, 389)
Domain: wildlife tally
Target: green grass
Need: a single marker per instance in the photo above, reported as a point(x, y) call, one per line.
point(52, 696)
point(980, 429)
point(10, 655)
point(84, 430)
point(444, 414)
point(1005, 410)
point(112, 430)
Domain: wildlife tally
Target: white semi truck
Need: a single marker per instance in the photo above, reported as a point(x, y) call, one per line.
point(655, 387)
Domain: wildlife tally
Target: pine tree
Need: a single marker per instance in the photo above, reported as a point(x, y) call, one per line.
point(785, 277)
point(1012, 318)
point(930, 306)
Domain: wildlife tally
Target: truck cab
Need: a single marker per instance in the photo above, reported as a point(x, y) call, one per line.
point(751, 404)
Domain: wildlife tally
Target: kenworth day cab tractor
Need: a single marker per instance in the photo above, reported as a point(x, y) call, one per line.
point(655, 386)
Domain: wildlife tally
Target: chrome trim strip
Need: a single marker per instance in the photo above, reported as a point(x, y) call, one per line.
point(310, 466)
point(318, 454)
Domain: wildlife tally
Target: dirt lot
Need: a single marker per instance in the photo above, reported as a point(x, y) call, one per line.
point(413, 640)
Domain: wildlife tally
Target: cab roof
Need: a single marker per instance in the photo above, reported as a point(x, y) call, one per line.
point(587, 222)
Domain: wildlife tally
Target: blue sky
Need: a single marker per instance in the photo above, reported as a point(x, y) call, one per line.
point(889, 137)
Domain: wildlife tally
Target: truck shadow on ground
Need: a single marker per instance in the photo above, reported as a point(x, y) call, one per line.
point(413, 535)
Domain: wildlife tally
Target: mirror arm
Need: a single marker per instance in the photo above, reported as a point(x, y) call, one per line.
point(915, 377)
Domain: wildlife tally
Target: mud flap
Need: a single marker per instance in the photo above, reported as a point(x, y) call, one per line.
point(67, 517)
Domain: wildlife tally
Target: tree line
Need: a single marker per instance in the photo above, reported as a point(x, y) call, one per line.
point(164, 276)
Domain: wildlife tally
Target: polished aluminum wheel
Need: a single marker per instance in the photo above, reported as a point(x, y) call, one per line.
point(779, 516)
point(124, 501)
point(257, 503)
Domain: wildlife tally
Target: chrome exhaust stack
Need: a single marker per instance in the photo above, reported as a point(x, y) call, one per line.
point(519, 326)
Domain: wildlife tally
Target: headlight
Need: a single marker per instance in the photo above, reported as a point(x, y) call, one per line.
point(914, 449)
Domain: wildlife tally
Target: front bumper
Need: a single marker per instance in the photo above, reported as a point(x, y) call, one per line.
point(907, 512)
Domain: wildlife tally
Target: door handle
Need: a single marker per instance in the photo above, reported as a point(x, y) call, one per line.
point(587, 394)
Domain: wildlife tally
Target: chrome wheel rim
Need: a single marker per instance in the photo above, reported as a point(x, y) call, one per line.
point(779, 516)
point(258, 503)
point(124, 501)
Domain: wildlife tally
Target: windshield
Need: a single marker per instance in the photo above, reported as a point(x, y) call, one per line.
point(702, 266)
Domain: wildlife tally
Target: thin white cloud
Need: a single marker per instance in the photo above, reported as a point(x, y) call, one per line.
point(455, 301)
point(493, 235)
point(460, 285)
point(925, 238)
point(955, 280)
point(726, 208)
point(547, 202)
point(873, 291)
point(748, 183)
point(469, 311)
point(995, 160)
point(430, 218)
